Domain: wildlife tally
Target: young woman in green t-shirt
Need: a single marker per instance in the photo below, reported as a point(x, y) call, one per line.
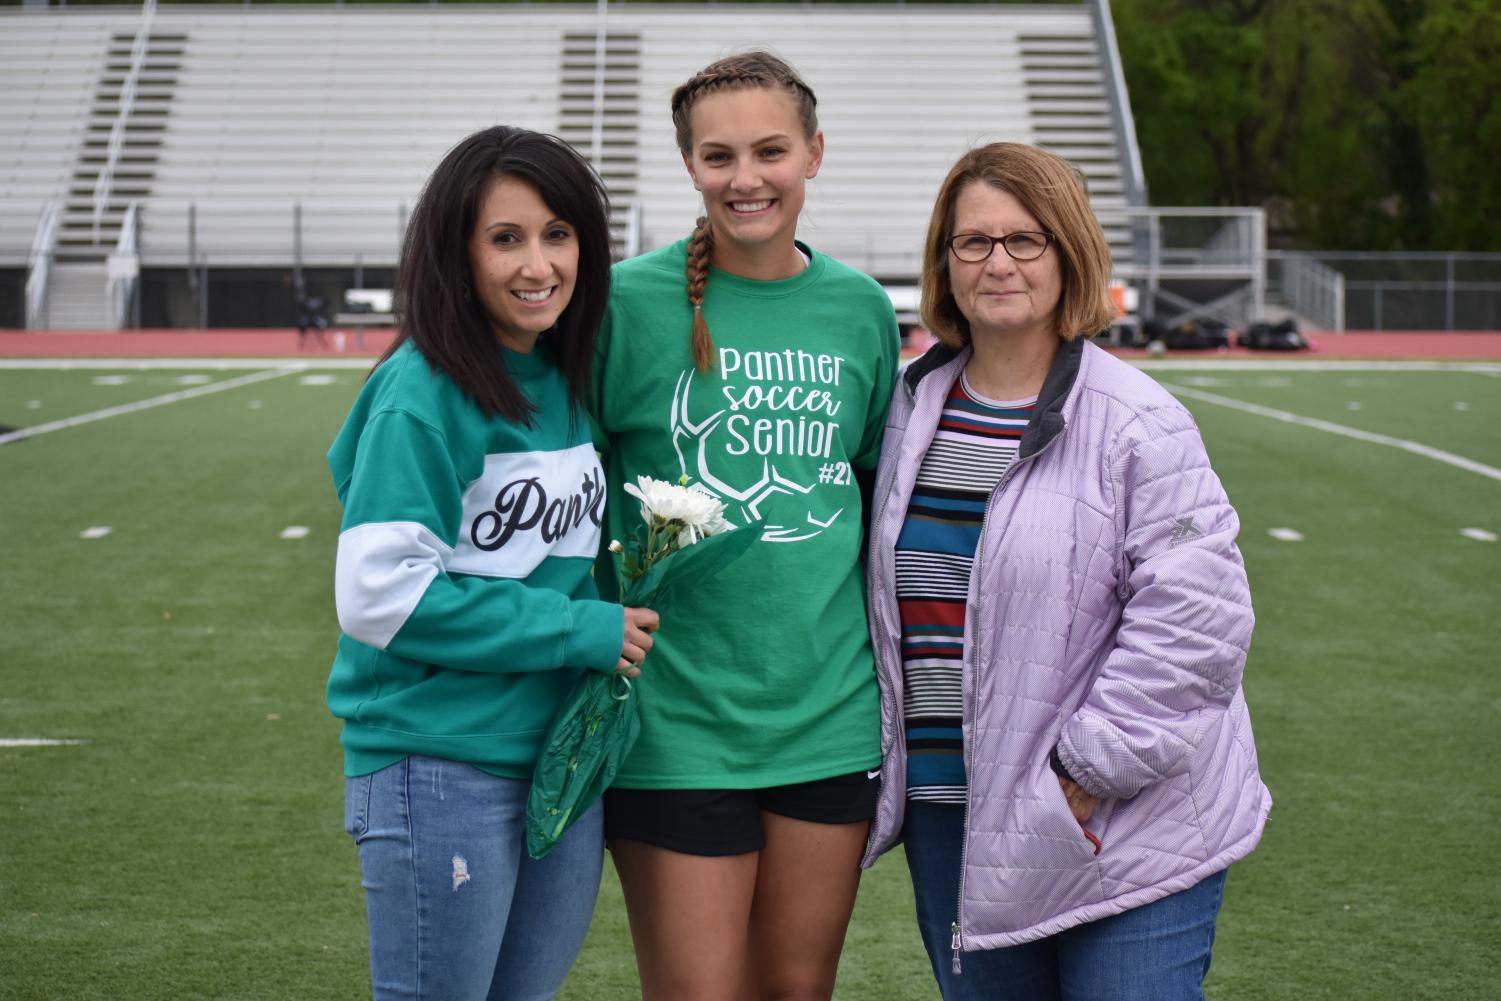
point(761, 369)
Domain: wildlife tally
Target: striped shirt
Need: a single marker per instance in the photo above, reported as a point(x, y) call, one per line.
point(975, 442)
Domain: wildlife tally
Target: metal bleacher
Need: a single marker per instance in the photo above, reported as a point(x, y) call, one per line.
point(47, 74)
point(340, 115)
point(270, 137)
point(48, 70)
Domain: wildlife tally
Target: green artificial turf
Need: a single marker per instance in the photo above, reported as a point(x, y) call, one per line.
point(193, 847)
point(1373, 688)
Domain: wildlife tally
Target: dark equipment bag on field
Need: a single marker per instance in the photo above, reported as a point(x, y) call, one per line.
point(1201, 335)
point(1282, 336)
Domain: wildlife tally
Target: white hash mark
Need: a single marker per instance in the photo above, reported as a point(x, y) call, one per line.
point(37, 742)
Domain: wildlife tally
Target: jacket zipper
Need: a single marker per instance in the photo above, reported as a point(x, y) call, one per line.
point(878, 503)
point(957, 942)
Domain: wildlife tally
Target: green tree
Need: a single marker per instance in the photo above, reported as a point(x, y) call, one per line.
point(1264, 102)
point(1454, 96)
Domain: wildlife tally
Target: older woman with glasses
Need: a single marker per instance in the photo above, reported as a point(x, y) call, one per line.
point(1061, 619)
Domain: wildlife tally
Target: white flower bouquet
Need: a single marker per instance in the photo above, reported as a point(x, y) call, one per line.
point(686, 541)
point(676, 516)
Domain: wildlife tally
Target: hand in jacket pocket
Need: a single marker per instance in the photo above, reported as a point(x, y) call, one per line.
point(1080, 803)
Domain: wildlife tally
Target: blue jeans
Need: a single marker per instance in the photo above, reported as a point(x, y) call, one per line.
point(1156, 952)
point(457, 909)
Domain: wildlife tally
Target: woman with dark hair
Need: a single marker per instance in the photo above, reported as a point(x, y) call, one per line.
point(472, 506)
point(1061, 619)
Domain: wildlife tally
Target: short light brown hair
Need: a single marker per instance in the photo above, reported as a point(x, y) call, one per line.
point(1053, 190)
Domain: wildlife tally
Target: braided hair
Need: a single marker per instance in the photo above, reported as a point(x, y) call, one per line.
point(750, 69)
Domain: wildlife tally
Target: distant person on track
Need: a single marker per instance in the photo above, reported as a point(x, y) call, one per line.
point(1061, 620)
point(761, 368)
point(467, 602)
point(310, 318)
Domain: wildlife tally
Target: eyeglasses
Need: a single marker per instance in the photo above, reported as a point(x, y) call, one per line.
point(972, 248)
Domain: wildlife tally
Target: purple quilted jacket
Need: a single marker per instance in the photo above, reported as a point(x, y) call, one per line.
point(1109, 615)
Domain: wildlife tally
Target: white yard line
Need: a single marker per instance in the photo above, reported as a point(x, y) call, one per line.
point(155, 401)
point(1449, 458)
point(1331, 365)
point(37, 742)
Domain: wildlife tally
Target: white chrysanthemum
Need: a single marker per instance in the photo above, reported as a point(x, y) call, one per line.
point(695, 512)
point(692, 533)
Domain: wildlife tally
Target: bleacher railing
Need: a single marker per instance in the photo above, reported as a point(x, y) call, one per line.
point(1196, 262)
point(1193, 261)
point(1407, 290)
point(1120, 102)
point(123, 272)
point(1313, 290)
point(106, 178)
point(271, 232)
point(39, 264)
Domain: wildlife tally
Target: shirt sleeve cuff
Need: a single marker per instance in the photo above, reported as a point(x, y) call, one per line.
point(595, 639)
point(1078, 770)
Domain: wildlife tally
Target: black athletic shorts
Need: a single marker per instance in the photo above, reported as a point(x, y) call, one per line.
point(728, 821)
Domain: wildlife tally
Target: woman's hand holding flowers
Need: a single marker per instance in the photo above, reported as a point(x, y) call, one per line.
point(640, 623)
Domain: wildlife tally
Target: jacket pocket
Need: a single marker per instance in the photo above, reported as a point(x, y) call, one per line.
point(1056, 821)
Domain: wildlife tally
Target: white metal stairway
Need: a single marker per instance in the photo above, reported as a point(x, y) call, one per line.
point(77, 298)
point(84, 242)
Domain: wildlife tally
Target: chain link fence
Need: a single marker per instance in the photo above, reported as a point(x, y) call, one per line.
point(1392, 291)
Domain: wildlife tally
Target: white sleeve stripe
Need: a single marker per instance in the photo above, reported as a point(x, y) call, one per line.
point(382, 571)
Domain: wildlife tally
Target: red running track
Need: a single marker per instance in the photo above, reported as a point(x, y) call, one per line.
point(1408, 344)
point(276, 343)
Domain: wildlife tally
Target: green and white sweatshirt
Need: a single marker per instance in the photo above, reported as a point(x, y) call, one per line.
point(463, 580)
point(764, 676)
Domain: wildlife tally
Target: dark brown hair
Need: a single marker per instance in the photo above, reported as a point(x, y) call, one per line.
point(749, 69)
point(1053, 190)
point(435, 308)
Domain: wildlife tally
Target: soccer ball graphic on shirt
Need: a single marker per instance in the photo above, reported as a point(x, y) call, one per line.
point(788, 505)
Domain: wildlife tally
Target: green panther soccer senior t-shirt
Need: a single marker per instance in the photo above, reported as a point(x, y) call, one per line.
point(763, 676)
